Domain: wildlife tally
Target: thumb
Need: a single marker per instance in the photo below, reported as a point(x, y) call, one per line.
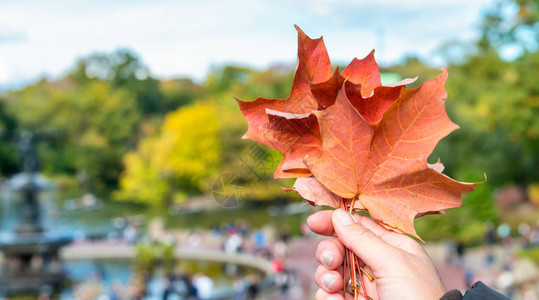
point(369, 247)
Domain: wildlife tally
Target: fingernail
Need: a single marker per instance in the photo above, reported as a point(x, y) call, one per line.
point(328, 280)
point(327, 258)
point(343, 217)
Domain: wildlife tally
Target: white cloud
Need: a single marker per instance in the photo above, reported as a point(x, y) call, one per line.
point(5, 72)
point(187, 37)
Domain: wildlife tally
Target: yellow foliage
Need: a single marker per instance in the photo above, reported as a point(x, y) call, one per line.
point(177, 161)
point(92, 138)
point(141, 181)
point(188, 143)
point(533, 193)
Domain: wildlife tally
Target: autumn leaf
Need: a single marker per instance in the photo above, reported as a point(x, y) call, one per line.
point(363, 88)
point(314, 192)
point(355, 144)
point(313, 67)
point(372, 108)
point(345, 135)
point(384, 166)
point(294, 135)
point(314, 87)
point(365, 91)
point(326, 92)
point(364, 73)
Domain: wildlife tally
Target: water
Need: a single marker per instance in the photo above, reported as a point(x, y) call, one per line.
point(99, 279)
point(108, 218)
point(88, 216)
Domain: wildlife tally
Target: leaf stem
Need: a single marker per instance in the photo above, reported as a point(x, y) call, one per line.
point(351, 261)
point(360, 275)
point(369, 276)
point(351, 208)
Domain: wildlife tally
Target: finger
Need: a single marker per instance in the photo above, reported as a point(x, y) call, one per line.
point(393, 238)
point(369, 247)
point(330, 253)
point(320, 222)
point(373, 225)
point(323, 295)
point(329, 280)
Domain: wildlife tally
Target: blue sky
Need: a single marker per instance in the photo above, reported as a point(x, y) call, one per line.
point(186, 38)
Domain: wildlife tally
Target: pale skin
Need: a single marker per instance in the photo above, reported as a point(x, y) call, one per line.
point(401, 267)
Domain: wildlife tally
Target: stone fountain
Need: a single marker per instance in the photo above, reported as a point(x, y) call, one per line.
point(31, 262)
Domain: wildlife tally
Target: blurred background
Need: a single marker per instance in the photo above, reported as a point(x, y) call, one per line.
point(123, 175)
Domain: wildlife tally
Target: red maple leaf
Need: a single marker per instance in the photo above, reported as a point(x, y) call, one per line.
point(348, 137)
point(296, 136)
point(284, 123)
point(313, 67)
point(384, 166)
point(356, 144)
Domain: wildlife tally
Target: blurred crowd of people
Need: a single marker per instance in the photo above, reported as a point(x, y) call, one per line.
point(494, 257)
point(268, 243)
point(496, 260)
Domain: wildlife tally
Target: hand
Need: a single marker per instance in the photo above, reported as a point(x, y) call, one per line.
point(401, 267)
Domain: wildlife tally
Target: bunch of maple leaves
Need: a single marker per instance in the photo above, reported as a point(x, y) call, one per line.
point(356, 144)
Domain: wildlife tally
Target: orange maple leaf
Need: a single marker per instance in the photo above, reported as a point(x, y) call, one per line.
point(384, 166)
point(296, 136)
point(352, 142)
point(284, 123)
point(313, 66)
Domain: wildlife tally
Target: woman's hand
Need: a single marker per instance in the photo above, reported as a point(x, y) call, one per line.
point(401, 267)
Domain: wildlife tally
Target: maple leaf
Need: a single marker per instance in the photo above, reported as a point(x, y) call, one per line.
point(297, 135)
point(294, 135)
point(314, 87)
point(365, 73)
point(363, 88)
point(356, 144)
point(372, 108)
point(313, 66)
point(314, 192)
point(365, 91)
point(384, 166)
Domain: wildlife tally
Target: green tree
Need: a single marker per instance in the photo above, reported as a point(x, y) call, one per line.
point(123, 69)
point(8, 152)
point(88, 127)
point(180, 92)
point(511, 23)
point(246, 83)
point(496, 102)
